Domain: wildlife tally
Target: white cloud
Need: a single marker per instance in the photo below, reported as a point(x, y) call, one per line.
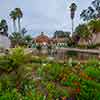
point(42, 15)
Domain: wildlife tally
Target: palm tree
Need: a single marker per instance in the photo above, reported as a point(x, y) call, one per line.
point(96, 5)
point(84, 33)
point(3, 27)
point(92, 12)
point(84, 15)
point(73, 8)
point(16, 39)
point(19, 16)
point(14, 17)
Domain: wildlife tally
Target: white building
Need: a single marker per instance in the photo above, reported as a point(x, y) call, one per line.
point(5, 42)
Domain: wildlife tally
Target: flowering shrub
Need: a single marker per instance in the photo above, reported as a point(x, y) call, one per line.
point(25, 77)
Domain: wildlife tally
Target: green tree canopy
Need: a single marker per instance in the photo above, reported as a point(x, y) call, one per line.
point(13, 16)
point(16, 39)
point(61, 34)
point(92, 12)
point(83, 31)
point(94, 25)
point(3, 27)
point(28, 39)
point(19, 14)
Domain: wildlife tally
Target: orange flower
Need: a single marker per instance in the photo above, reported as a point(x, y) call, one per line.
point(78, 90)
point(76, 83)
point(63, 98)
point(89, 78)
point(64, 79)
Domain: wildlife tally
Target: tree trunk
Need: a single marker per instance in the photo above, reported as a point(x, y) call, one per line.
point(14, 26)
point(19, 26)
point(72, 27)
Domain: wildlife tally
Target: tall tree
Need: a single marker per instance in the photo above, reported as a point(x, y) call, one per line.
point(84, 33)
point(61, 34)
point(19, 16)
point(14, 17)
point(94, 26)
point(92, 12)
point(3, 27)
point(73, 8)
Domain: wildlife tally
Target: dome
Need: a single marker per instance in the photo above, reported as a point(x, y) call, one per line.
point(42, 39)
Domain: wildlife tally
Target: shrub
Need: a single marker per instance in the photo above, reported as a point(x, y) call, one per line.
point(93, 72)
point(11, 95)
point(50, 71)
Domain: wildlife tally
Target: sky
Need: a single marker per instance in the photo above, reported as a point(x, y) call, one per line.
point(43, 15)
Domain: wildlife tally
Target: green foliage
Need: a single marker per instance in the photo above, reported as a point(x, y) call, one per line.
point(92, 11)
point(89, 90)
point(93, 72)
point(17, 39)
point(13, 60)
point(61, 34)
point(3, 27)
point(28, 39)
point(25, 77)
point(52, 70)
point(94, 25)
point(7, 82)
point(83, 31)
point(11, 95)
point(55, 91)
point(17, 56)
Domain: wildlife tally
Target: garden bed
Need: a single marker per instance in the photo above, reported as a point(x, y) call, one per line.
point(27, 77)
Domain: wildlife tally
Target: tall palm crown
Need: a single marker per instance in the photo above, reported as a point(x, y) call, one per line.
point(19, 16)
point(19, 12)
point(73, 8)
point(13, 16)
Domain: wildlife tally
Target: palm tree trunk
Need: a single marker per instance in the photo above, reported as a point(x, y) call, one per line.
point(19, 26)
point(14, 26)
point(72, 27)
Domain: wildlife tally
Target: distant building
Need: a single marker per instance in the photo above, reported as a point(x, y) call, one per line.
point(44, 40)
point(4, 42)
point(59, 41)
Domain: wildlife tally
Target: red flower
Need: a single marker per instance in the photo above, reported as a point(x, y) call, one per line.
point(78, 90)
